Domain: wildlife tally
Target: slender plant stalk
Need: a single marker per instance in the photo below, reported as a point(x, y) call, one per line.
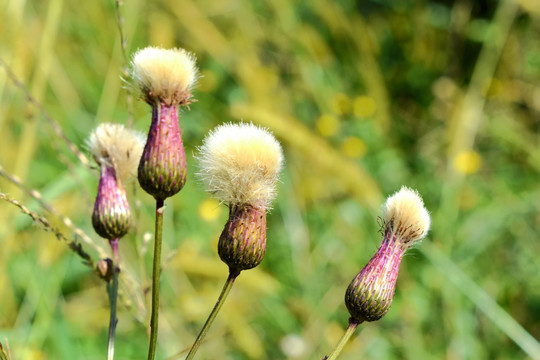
point(344, 339)
point(125, 66)
point(155, 280)
point(224, 292)
point(4, 352)
point(112, 288)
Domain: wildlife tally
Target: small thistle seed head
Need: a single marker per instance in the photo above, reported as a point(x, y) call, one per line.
point(117, 151)
point(240, 165)
point(164, 75)
point(370, 294)
point(406, 217)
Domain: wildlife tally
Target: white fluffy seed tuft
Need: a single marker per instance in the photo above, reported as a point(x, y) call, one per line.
point(406, 216)
point(116, 146)
point(166, 75)
point(240, 164)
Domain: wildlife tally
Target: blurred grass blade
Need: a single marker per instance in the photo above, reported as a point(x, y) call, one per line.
point(482, 300)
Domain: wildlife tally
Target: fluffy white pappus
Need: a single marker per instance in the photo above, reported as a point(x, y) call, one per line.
point(166, 75)
point(115, 145)
point(406, 216)
point(240, 164)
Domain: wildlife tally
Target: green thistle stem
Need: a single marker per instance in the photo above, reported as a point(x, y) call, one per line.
point(155, 280)
point(344, 339)
point(112, 289)
point(224, 292)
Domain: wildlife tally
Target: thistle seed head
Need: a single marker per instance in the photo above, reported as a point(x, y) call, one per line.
point(164, 75)
point(240, 164)
point(406, 217)
point(117, 151)
point(371, 292)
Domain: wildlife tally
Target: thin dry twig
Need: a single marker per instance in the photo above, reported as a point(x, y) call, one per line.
point(125, 66)
point(36, 195)
point(52, 122)
point(74, 245)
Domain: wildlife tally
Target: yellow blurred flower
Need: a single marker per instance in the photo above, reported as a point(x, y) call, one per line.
point(327, 125)
point(467, 162)
point(364, 106)
point(341, 104)
point(209, 210)
point(353, 147)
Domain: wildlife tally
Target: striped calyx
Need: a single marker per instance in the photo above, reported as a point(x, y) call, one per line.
point(162, 170)
point(111, 217)
point(242, 243)
point(370, 293)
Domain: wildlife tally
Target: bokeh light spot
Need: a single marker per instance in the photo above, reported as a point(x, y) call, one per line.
point(364, 106)
point(209, 210)
point(353, 147)
point(467, 162)
point(327, 125)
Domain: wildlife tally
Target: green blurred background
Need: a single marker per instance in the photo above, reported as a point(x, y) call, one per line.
point(365, 96)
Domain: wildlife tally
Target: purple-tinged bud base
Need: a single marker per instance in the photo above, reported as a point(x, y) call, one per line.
point(112, 214)
point(242, 243)
point(370, 294)
point(163, 168)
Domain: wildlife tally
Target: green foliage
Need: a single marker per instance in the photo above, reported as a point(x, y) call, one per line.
point(365, 96)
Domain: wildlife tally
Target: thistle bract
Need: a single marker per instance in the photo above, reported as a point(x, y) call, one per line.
point(162, 170)
point(111, 217)
point(242, 243)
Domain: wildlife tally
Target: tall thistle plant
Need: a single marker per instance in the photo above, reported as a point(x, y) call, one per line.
point(165, 78)
point(240, 166)
point(370, 293)
point(117, 151)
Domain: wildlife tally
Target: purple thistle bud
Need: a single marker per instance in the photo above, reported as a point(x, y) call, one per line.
point(240, 165)
point(165, 78)
point(112, 214)
point(117, 151)
point(406, 220)
point(242, 243)
point(163, 167)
